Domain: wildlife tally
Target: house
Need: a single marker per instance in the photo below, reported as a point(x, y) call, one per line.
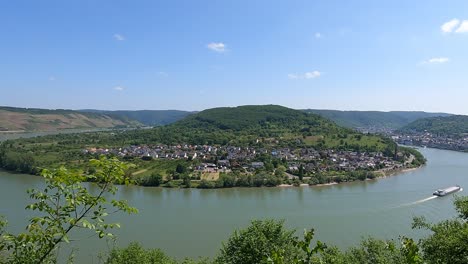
point(224, 163)
point(257, 165)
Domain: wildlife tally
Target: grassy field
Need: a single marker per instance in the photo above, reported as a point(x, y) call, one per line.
point(210, 176)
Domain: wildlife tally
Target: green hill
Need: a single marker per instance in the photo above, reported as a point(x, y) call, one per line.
point(269, 124)
point(33, 119)
point(373, 119)
point(253, 117)
point(147, 117)
point(456, 125)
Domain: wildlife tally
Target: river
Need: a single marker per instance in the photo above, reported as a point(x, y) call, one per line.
point(194, 222)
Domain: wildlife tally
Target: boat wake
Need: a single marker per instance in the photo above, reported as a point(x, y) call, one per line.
point(424, 200)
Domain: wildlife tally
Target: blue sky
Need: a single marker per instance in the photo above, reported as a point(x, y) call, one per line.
point(193, 55)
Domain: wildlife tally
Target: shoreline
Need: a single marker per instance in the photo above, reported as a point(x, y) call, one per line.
point(389, 173)
point(384, 174)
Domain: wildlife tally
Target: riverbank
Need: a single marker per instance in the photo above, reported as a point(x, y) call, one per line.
point(214, 184)
point(388, 173)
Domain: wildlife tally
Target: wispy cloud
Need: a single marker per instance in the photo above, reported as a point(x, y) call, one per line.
point(318, 35)
point(437, 60)
point(52, 78)
point(293, 76)
point(449, 26)
point(162, 74)
point(463, 28)
point(306, 75)
point(119, 37)
point(119, 88)
point(217, 47)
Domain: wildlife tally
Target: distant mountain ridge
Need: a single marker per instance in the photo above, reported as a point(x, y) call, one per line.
point(34, 119)
point(456, 125)
point(362, 120)
point(351, 119)
point(146, 117)
point(374, 119)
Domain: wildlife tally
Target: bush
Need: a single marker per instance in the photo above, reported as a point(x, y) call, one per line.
point(152, 180)
point(250, 245)
point(136, 254)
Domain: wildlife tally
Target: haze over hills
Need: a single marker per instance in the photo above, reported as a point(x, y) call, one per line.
point(454, 126)
point(374, 119)
point(351, 119)
point(26, 119)
point(32, 119)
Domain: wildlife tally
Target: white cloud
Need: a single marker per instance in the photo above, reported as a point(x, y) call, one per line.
point(119, 88)
point(162, 74)
point(217, 47)
point(293, 76)
point(306, 75)
point(437, 60)
point(312, 74)
point(318, 35)
point(449, 26)
point(463, 28)
point(119, 37)
point(52, 78)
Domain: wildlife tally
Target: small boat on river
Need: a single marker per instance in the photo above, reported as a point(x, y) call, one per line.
point(448, 190)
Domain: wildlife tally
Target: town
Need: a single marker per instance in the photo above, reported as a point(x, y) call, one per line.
point(226, 158)
point(430, 140)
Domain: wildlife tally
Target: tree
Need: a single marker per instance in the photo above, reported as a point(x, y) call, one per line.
point(151, 180)
point(448, 241)
point(301, 172)
point(65, 204)
point(181, 168)
point(250, 245)
point(306, 255)
point(135, 254)
point(186, 181)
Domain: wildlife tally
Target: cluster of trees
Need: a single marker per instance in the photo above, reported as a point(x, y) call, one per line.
point(228, 180)
point(18, 162)
point(418, 160)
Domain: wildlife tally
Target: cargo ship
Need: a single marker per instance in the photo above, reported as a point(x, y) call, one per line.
point(448, 190)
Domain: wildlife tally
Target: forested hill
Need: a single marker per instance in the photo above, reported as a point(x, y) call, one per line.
point(259, 124)
point(374, 119)
point(146, 117)
point(257, 117)
point(456, 125)
point(32, 119)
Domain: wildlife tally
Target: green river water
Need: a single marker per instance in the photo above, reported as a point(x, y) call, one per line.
point(192, 222)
